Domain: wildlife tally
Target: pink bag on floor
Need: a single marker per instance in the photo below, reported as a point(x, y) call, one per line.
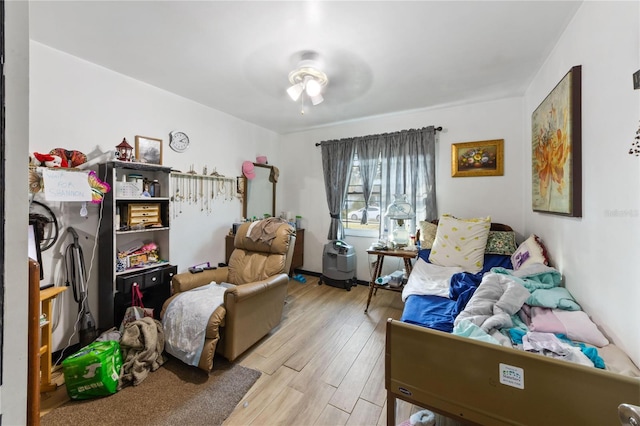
point(137, 310)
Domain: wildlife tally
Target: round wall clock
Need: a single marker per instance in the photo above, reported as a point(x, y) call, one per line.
point(178, 141)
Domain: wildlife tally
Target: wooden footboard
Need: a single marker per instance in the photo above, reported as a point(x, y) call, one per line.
point(487, 384)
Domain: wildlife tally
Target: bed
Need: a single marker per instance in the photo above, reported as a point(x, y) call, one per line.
point(431, 362)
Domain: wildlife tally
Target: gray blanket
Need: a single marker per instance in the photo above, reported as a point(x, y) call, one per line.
point(497, 298)
point(142, 344)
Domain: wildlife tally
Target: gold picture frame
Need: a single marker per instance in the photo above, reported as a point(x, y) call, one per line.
point(482, 158)
point(148, 150)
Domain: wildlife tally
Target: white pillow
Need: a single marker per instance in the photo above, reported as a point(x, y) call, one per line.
point(530, 251)
point(460, 242)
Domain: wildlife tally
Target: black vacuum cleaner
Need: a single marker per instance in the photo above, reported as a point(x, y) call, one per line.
point(76, 278)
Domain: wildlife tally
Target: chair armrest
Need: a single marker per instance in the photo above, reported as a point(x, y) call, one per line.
point(186, 280)
point(245, 291)
point(253, 310)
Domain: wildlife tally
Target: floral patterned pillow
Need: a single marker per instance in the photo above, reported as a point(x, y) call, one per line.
point(501, 242)
point(460, 242)
point(427, 234)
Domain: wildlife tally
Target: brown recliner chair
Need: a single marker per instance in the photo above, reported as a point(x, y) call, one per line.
point(253, 306)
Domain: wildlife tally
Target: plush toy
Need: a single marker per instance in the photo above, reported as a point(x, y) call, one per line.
point(58, 157)
point(48, 160)
point(73, 157)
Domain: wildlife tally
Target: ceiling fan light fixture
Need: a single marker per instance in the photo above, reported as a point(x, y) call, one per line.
point(308, 80)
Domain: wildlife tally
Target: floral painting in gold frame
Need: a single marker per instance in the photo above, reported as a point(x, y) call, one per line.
point(556, 184)
point(483, 158)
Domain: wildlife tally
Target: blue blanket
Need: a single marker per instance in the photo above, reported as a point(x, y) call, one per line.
point(438, 312)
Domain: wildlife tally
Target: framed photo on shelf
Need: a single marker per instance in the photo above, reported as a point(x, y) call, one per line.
point(482, 158)
point(556, 157)
point(149, 150)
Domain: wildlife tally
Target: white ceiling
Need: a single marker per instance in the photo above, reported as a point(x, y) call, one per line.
point(381, 57)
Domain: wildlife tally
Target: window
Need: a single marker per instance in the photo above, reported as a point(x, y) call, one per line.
point(353, 207)
point(388, 164)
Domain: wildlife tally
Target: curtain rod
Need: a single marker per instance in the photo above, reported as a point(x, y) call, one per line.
point(435, 129)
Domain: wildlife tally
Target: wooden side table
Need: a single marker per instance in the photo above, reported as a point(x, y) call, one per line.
point(406, 255)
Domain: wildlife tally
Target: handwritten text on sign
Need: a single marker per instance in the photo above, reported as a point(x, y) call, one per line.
point(61, 185)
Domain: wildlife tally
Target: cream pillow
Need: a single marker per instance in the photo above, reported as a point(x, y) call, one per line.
point(460, 242)
point(427, 234)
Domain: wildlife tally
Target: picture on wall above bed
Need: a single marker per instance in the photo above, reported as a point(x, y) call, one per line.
point(483, 158)
point(556, 133)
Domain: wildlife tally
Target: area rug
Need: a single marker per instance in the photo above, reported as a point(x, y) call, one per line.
point(175, 394)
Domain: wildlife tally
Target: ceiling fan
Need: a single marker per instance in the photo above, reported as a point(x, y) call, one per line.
point(308, 80)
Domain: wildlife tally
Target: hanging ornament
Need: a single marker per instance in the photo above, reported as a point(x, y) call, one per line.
point(98, 188)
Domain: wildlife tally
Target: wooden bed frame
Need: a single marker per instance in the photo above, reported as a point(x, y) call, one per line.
point(481, 383)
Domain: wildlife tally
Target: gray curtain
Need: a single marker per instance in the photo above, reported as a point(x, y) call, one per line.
point(408, 167)
point(368, 149)
point(337, 157)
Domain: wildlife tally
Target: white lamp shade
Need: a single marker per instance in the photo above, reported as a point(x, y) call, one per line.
point(295, 91)
point(400, 209)
point(317, 99)
point(313, 88)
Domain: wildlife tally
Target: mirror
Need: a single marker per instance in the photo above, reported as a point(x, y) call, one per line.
point(260, 192)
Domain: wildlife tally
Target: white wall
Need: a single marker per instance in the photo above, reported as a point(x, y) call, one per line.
point(79, 105)
point(598, 253)
point(497, 196)
point(13, 392)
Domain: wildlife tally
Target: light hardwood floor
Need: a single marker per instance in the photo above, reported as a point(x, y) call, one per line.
point(324, 364)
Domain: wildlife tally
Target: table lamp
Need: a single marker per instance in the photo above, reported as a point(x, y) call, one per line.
point(399, 211)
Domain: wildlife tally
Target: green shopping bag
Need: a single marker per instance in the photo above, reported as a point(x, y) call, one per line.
point(93, 370)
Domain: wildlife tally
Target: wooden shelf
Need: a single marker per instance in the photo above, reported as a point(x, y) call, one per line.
point(135, 231)
point(142, 268)
point(111, 303)
point(46, 301)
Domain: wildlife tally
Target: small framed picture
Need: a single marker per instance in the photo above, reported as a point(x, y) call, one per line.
point(483, 158)
point(149, 150)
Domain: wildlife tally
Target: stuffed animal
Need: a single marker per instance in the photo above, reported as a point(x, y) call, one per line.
point(73, 157)
point(48, 160)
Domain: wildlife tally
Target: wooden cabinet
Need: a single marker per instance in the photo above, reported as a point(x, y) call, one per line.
point(298, 251)
point(130, 220)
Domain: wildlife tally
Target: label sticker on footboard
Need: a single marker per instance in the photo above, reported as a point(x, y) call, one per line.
point(512, 376)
